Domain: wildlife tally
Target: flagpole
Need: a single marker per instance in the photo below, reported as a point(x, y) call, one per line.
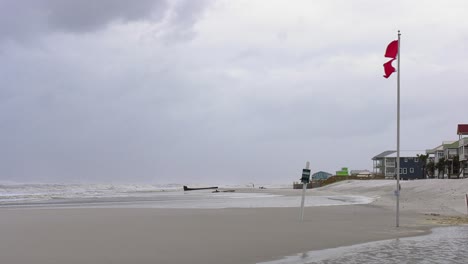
point(398, 138)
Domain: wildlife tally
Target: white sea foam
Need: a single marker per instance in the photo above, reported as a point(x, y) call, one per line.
point(45, 192)
point(154, 196)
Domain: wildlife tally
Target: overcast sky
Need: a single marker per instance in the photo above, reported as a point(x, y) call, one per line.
point(165, 91)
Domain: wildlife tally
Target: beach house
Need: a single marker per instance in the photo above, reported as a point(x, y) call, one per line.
point(446, 151)
point(361, 173)
point(321, 175)
point(411, 167)
point(450, 159)
point(462, 132)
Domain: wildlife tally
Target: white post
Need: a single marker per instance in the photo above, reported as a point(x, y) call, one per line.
point(398, 138)
point(304, 186)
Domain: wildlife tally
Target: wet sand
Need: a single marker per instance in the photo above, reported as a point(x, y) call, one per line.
point(150, 235)
point(129, 235)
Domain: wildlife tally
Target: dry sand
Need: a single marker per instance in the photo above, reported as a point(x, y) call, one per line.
point(433, 196)
point(126, 235)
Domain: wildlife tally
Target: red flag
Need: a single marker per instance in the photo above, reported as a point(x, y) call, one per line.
point(391, 52)
point(388, 68)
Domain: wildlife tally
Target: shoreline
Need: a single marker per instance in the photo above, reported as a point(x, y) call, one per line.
point(226, 236)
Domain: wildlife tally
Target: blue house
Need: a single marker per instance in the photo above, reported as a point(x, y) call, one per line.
point(321, 175)
point(411, 167)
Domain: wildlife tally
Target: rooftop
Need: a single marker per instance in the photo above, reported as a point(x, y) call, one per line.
point(383, 154)
point(322, 172)
point(407, 154)
point(441, 147)
point(452, 145)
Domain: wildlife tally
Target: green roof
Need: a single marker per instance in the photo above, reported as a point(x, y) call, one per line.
point(430, 151)
point(453, 145)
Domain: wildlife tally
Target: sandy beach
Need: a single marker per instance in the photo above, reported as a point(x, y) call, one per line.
point(242, 235)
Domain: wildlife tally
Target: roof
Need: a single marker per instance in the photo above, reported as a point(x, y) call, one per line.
point(321, 172)
point(462, 129)
point(383, 154)
point(430, 151)
point(407, 154)
point(360, 172)
point(452, 145)
point(440, 147)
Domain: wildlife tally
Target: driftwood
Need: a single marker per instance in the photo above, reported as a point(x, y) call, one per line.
point(195, 189)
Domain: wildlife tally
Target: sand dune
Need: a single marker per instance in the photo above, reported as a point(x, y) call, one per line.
point(438, 196)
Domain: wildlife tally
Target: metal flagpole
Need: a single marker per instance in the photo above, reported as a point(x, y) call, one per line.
point(305, 180)
point(398, 138)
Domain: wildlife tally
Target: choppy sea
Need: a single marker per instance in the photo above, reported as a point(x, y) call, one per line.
point(155, 196)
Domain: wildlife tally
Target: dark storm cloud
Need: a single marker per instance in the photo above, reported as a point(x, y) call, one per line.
point(23, 20)
point(89, 15)
point(26, 20)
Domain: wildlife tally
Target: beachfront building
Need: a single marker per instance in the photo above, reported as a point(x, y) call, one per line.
point(462, 132)
point(357, 172)
point(433, 155)
point(321, 175)
point(452, 159)
point(437, 153)
point(450, 150)
point(411, 167)
point(453, 154)
point(447, 152)
point(361, 173)
point(342, 172)
point(382, 165)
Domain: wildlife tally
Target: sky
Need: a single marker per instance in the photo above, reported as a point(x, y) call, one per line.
point(189, 91)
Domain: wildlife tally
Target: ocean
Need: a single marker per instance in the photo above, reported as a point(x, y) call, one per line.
point(155, 196)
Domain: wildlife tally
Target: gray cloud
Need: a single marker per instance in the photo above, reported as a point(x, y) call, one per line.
point(106, 96)
point(88, 15)
point(26, 20)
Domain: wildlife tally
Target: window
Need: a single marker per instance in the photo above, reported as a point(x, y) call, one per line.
point(403, 171)
point(411, 170)
point(416, 160)
point(406, 159)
